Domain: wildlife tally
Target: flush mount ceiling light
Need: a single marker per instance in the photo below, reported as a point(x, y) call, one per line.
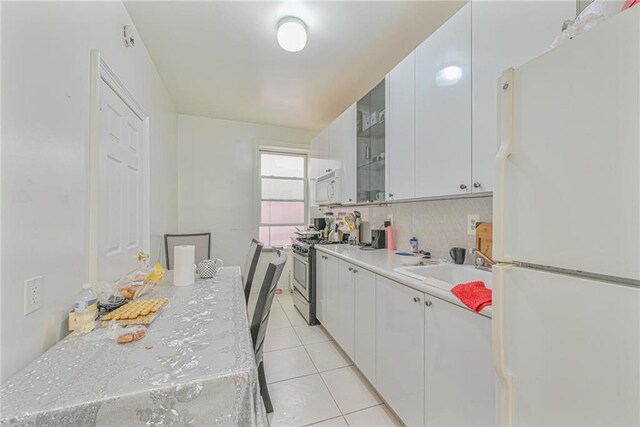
point(292, 34)
point(449, 76)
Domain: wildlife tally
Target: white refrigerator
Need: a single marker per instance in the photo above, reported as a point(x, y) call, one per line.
point(566, 316)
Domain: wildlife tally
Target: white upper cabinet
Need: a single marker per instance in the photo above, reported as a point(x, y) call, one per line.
point(342, 151)
point(319, 155)
point(504, 35)
point(401, 141)
point(443, 109)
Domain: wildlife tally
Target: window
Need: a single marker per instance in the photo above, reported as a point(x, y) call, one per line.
point(283, 201)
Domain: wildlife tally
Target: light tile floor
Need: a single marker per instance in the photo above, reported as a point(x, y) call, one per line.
point(311, 381)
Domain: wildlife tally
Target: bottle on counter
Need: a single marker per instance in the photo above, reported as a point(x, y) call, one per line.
point(413, 242)
point(86, 309)
point(390, 244)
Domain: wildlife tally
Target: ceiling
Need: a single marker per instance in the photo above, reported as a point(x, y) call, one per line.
point(221, 59)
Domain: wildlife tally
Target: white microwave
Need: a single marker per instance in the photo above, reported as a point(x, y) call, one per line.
point(329, 188)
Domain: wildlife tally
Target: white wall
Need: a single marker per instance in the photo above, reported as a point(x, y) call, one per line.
point(217, 169)
point(45, 128)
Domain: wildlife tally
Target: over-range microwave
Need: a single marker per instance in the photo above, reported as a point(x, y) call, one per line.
point(329, 188)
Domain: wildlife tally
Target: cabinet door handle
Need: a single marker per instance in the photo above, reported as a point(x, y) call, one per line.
point(350, 268)
point(428, 303)
point(416, 299)
point(476, 185)
point(355, 271)
point(463, 187)
point(390, 194)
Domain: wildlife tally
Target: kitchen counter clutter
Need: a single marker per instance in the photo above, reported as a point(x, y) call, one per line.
point(424, 352)
point(385, 263)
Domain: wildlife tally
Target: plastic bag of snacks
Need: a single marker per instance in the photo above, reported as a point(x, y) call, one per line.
point(140, 282)
point(125, 335)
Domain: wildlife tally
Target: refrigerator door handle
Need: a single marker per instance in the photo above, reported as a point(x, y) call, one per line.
point(504, 376)
point(506, 142)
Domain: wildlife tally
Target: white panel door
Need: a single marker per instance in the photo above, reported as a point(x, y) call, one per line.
point(120, 186)
point(400, 349)
point(572, 181)
point(460, 381)
point(572, 347)
point(505, 34)
point(443, 109)
point(365, 323)
point(401, 138)
point(346, 303)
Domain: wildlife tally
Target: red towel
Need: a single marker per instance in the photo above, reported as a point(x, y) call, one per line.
point(474, 295)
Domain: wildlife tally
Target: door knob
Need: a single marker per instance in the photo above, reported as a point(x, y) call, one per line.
point(390, 194)
point(463, 187)
point(416, 299)
point(428, 303)
point(350, 268)
point(476, 185)
point(355, 271)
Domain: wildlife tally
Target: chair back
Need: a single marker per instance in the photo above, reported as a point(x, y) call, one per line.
point(263, 307)
point(250, 265)
point(202, 242)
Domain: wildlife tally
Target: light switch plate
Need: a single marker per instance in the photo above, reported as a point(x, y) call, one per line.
point(32, 294)
point(472, 222)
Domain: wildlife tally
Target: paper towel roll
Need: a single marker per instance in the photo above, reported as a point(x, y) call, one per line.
point(183, 261)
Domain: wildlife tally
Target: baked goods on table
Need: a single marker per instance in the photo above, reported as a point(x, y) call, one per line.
point(140, 282)
point(141, 312)
point(130, 334)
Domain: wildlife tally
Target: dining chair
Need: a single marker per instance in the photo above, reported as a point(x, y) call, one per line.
point(261, 319)
point(202, 242)
point(250, 265)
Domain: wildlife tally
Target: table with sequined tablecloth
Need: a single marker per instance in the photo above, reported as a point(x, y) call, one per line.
point(200, 371)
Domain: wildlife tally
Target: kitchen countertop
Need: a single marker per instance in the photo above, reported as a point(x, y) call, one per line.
point(383, 262)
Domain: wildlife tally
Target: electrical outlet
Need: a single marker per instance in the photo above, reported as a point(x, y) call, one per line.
point(472, 222)
point(390, 219)
point(32, 294)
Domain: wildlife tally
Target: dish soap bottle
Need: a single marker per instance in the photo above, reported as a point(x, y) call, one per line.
point(390, 245)
point(86, 309)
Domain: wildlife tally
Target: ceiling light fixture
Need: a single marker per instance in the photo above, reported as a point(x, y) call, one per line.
point(292, 34)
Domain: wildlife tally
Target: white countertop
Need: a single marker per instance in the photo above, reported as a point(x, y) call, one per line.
point(383, 262)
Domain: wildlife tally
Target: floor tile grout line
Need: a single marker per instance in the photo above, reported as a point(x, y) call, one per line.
point(294, 378)
point(327, 419)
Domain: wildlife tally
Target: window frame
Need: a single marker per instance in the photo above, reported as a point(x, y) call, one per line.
point(304, 154)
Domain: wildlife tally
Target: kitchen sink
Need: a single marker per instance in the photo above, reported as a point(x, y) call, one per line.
point(446, 276)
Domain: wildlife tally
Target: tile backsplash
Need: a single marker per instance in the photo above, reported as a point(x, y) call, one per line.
point(438, 225)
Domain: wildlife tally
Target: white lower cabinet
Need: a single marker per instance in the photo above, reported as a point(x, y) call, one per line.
point(429, 359)
point(330, 282)
point(459, 376)
point(320, 272)
point(343, 330)
point(365, 323)
point(400, 349)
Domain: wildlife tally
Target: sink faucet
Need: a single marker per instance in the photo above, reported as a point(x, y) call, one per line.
point(482, 258)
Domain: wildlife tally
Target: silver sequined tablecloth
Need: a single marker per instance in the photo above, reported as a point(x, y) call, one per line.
point(201, 370)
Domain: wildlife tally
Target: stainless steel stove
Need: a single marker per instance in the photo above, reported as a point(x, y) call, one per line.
point(304, 277)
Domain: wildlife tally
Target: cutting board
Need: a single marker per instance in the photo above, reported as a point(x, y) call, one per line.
point(484, 240)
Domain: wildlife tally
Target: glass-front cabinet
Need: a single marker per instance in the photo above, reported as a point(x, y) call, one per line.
point(370, 159)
